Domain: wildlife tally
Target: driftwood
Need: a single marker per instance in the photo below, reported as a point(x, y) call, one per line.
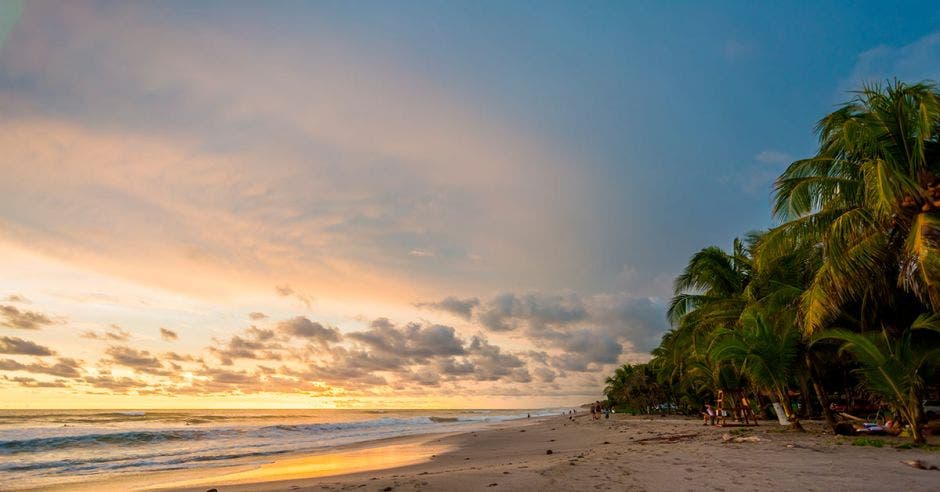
point(850, 417)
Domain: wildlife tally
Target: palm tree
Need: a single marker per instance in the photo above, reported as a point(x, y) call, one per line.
point(709, 292)
point(615, 390)
point(892, 367)
point(768, 355)
point(869, 200)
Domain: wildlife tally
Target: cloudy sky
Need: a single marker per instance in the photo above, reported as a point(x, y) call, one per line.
point(397, 204)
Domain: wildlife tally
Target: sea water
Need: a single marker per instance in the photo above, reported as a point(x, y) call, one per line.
point(46, 447)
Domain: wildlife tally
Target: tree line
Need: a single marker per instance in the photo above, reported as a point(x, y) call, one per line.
point(840, 298)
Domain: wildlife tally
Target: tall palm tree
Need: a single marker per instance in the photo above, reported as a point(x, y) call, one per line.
point(870, 199)
point(708, 293)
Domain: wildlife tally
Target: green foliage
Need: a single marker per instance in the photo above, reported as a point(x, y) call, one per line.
point(868, 441)
point(869, 199)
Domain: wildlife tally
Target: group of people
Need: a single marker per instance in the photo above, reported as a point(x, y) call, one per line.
point(742, 412)
point(597, 410)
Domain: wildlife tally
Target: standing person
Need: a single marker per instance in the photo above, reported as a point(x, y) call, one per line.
point(593, 412)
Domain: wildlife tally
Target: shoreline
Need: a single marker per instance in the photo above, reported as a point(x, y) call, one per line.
point(251, 473)
point(624, 452)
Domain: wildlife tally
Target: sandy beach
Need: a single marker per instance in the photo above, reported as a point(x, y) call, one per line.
point(623, 453)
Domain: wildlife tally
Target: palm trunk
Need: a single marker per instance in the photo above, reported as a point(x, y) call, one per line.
point(820, 394)
point(916, 434)
point(804, 395)
point(788, 410)
point(915, 416)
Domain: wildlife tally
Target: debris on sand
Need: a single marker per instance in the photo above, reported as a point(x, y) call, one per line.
point(670, 438)
point(920, 465)
point(730, 438)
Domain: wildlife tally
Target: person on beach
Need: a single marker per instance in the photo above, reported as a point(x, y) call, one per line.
point(708, 415)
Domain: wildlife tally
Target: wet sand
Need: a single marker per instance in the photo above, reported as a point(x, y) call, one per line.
point(623, 453)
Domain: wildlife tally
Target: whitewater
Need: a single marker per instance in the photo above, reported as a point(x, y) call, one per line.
point(49, 447)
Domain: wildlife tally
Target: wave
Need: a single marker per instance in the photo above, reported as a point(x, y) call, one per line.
point(41, 444)
point(141, 437)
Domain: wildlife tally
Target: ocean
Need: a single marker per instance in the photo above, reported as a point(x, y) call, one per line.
point(49, 447)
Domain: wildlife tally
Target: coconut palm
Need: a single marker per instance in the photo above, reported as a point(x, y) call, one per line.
point(709, 292)
point(768, 355)
point(869, 199)
point(892, 368)
point(615, 390)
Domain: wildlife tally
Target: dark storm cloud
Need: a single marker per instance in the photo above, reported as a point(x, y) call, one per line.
point(168, 335)
point(453, 305)
point(12, 317)
point(13, 345)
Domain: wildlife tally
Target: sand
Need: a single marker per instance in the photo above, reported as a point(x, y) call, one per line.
point(623, 453)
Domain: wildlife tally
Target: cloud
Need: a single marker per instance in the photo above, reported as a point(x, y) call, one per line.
point(24, 320)
point(256, 316)
point(254, 344)
point(413, 341)
point(507, 311)
point(17, 298)
point(912, 62)
point(490, 362)
point(302, 327)
point(459, 307)
point(288, 291)
point(113, 333)
point(168, 335)
point(35, 383)
point(773, 157)
point(13, 345)
point(135, 359)
point(64, 367)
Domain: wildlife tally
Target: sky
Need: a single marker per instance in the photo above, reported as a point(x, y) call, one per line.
point(390, 204)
